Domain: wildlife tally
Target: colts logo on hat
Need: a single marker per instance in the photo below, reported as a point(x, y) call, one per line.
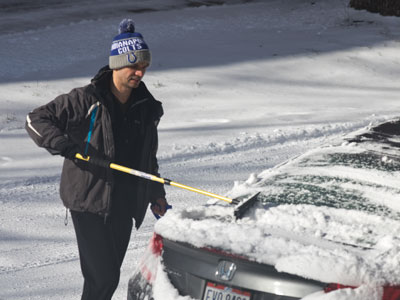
point(124, 47)
point(132, 59)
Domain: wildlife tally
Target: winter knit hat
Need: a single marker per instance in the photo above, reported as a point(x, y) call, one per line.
point(128, 47)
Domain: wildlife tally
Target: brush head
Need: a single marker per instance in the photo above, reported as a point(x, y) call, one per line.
point(243, 206)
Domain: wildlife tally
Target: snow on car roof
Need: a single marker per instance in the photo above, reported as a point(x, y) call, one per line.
point(331, 215)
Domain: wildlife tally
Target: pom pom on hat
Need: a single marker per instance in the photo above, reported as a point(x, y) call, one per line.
point(126, 25)
point(128, 47)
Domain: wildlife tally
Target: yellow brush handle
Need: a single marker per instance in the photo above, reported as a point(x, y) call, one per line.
point(205, 193)
point(158, 179)
point(79, 156)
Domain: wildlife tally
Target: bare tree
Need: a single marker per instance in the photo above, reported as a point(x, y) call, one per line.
point(384, 7)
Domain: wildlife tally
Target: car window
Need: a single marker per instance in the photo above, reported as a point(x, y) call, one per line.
point(349, 180)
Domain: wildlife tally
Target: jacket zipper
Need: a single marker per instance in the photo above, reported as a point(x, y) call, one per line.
point(106, 215)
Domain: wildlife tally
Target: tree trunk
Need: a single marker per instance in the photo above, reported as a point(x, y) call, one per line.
point(384, 7)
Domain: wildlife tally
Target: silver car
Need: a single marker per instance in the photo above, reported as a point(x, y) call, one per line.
point(324, 221)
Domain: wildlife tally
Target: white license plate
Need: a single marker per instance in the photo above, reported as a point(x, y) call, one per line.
point(220, 292)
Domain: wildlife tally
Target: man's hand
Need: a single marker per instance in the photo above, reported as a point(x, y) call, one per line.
point(160, 206)
point(67, 149)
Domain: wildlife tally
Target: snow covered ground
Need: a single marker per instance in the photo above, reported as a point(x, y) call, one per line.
point(244, 87)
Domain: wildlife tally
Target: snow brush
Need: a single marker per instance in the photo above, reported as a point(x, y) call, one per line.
point(241, 208)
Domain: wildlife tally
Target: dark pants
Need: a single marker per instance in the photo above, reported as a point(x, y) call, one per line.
point(102, 247)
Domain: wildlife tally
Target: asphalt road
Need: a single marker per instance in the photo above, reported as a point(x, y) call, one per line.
point(20, 16)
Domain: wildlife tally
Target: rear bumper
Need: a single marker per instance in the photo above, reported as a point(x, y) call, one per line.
point(194, 287)
point(190, 269)
point(140, 289)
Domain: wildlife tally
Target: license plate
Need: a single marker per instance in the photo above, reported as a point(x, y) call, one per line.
point(221, 292)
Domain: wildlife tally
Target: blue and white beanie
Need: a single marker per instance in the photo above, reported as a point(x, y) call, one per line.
point(128, 47)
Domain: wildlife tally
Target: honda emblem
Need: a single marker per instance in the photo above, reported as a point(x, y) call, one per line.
point(225, 270)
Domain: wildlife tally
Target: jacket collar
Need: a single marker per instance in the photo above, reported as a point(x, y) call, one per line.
point(102, 78)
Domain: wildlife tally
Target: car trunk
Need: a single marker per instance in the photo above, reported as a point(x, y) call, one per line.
point(193, 271)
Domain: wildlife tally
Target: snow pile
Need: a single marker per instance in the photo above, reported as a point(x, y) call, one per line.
point(245, 141)
point(322, 249)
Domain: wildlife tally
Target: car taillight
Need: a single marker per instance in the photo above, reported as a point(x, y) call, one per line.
point(336, 286)
point(389, 292)
point(150, 260)
point(156, 244)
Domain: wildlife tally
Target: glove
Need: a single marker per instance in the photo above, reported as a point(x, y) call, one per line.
point(69, 151)
point(159, 207)
point(105, 163)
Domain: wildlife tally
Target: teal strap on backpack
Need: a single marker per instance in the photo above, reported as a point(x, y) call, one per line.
point(92, 119)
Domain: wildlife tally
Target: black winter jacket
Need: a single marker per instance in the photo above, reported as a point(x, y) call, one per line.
point(66, 121)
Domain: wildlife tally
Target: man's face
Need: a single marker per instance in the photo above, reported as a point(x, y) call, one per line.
point(131, 76)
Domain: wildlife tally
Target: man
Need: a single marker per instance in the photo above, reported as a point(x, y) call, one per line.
point(114, 118)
